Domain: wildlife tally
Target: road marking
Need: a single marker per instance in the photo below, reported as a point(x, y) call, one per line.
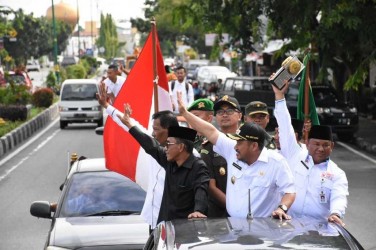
point(356, 152)
point(7, 172)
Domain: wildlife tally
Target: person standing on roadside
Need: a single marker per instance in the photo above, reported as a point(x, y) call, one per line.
point(113, 82)
point(322, 187)
point(181, 85)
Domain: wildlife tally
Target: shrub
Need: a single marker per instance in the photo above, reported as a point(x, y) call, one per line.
point(15, 94)
point(13, 112)
point(42, 98)
point(76, 71)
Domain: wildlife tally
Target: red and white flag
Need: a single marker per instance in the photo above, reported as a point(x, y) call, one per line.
point(122, 152)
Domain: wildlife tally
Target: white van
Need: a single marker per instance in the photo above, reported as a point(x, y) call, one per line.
point(78, 102)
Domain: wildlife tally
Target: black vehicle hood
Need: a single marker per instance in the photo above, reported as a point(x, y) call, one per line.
point(78, 232)
point(259, 233)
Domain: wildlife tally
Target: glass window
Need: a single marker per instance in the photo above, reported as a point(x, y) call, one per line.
point(95, 192)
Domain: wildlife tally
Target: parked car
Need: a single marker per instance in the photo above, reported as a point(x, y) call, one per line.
point(342, 117)
point(17, 77)
point(32, 65)
point(251, 88)
point(192, 67)
point(256, 233)
point(69, 60)
point(78, 103)
point(97, 209)
point(210, 74)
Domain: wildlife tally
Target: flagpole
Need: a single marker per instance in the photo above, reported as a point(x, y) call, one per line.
point(306, 96)
point(155, 72)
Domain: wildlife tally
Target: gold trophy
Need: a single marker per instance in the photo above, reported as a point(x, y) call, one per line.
point(291, 67)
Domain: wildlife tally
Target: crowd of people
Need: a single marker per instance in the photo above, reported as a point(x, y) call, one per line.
point(241, 170)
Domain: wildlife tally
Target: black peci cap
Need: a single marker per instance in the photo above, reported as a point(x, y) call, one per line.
point(320, 132)
point(182, 133)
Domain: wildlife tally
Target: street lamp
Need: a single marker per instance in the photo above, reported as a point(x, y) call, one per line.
point(56, 65)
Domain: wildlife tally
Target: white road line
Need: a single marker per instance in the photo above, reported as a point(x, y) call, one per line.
point(25, 145)
point(356, 152)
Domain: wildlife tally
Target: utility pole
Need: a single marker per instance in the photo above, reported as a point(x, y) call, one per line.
point(78, 30)
point(56, 65)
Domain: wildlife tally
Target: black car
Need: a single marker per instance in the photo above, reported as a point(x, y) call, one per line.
point(256, 233)
point(332, 111)
point(247, 89)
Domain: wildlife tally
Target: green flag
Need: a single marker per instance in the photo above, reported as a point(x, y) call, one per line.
point(312, 106)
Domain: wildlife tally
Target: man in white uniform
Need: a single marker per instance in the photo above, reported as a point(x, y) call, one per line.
point(322, 187)
point(259, 181)
point(113, 82)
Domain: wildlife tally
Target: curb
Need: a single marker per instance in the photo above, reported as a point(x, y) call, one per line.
point(365, 145)
point(16, 137)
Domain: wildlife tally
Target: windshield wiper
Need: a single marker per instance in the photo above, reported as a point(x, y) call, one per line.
point(114, 212)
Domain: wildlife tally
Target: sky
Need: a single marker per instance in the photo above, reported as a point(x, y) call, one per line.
point(88, 9)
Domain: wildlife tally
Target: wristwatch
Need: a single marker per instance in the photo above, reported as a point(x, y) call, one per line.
point(283, 207)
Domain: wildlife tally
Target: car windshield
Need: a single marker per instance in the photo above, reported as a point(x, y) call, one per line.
point(325, 97)
point(101, 193)
point(73, 92)
point(17, 79)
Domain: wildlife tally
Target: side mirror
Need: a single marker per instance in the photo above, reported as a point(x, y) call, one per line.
point(41, 209)
point(99, 130)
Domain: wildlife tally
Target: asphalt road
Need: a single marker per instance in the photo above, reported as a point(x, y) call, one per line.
point(37, 170)
point(35, 173)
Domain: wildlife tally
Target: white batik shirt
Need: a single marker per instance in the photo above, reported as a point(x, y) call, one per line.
point(267, 180)
point(322, 189)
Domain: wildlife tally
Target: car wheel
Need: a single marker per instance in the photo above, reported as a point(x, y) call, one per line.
point(345, 136)
point(63, 124)
point(100, 122)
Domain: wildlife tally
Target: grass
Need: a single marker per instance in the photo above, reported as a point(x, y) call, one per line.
point(9, 125)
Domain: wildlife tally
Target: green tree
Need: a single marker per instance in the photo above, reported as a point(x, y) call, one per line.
point(341, 32)
point(34, 36)
point(108, 38)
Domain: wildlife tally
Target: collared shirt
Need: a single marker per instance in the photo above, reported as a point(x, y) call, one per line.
point(316, 196)
point(156, 178)
point(187, 98)
point(217, 166)
point(185, 186)
point(266, 180)
point(114, 87)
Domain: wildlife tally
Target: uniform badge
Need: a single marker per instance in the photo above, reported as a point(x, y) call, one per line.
point(201, 105)
point(222, 171)
point(204, 151)
point(233, 179)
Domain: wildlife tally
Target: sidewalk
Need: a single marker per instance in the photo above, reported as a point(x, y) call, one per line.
point(365, 138)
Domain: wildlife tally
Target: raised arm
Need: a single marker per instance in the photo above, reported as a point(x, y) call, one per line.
point(203, 127)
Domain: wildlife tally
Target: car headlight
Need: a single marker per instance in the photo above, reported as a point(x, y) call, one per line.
point(320, 110)
point(63, 108)
point(353, 110)
point(96, 108)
